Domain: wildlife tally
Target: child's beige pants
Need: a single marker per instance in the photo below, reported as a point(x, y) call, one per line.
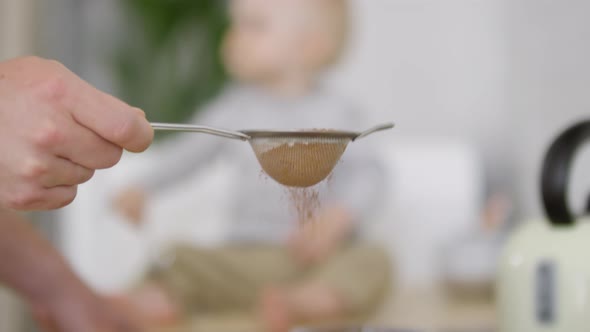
point(232, 278)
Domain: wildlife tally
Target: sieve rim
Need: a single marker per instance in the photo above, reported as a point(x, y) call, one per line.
point(301, 134)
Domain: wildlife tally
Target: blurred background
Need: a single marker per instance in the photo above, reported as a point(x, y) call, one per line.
point(477, 88)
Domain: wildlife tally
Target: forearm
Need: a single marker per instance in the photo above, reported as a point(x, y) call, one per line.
point(28, 262)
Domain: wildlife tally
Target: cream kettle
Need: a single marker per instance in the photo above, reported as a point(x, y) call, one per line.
point(544, 274)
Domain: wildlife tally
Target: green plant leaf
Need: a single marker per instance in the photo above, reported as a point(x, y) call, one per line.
point(167, 60)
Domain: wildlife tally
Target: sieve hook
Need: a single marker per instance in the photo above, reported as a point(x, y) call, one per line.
point(384, 126)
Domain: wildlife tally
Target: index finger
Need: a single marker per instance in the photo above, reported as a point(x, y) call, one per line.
point(112, 119)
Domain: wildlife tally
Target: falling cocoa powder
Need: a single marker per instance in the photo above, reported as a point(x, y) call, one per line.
point(305, 202)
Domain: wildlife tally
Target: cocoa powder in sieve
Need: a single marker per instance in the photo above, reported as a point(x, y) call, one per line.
point(301, 164)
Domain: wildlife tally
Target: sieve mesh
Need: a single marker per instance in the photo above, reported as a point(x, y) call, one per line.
point(297, 161)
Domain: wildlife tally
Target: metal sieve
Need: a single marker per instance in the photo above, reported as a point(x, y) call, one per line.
point(294, 158)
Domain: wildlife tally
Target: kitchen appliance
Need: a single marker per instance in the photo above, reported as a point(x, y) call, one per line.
point(379, 329)
point(544, 277)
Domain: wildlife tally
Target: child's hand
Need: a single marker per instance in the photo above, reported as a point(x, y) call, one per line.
point(131, 204)
point(317, 239)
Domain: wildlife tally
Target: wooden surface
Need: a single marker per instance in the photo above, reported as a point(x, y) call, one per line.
point(415, 309)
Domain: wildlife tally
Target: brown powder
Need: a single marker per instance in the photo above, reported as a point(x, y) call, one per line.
point(301, 164)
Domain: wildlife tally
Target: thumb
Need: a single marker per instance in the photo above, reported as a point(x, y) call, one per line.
point(112, 119)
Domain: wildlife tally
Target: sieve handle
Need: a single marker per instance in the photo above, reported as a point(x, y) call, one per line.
point(200, 129)
point(383, 126)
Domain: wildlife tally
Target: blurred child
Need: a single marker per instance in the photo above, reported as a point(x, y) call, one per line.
point(275, 51)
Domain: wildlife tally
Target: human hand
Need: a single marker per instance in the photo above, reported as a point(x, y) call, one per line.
point(317, 239)
point(131, 204)
point(78, 309)
point(60, 301)
point(55, 131)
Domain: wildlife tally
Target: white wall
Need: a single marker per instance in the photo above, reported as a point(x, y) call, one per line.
point(549, 85)
point(505, 75)
point(437, 68)
point(433, 66)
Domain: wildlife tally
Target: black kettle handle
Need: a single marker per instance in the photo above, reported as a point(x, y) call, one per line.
point(556, 172)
